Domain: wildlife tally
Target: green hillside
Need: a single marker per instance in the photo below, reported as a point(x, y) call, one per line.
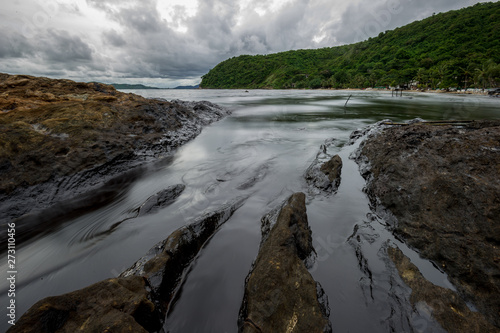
point(454, 49)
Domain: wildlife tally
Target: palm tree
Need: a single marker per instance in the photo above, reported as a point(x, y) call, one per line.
point(481, 76)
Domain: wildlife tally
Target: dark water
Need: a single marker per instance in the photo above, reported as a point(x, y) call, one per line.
point(273, 136)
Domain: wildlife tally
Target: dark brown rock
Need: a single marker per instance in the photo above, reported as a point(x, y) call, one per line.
point(446, 306)
point(63, 141)
point(139, 299)
point(165, 263)
point(332, 169)
point(325, 176)
point(114, 305)
point(280, 293)
point(161, 199)
point(442, 185)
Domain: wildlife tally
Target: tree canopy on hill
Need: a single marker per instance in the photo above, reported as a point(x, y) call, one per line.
point(455, 49)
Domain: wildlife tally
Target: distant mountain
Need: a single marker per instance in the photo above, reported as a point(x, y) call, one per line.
point(131, 86)
point(459, 48)
point(188, 87)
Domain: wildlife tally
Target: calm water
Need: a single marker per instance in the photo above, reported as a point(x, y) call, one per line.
point(276, 134)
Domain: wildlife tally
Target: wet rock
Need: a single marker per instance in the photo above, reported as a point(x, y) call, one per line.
point(325, 176)
point(441, 185)
point(445, 305)
point(64, 139)
point(161, 199)
point(157, 201)
point(138, 300)
point(113, 305)
point(164, 265)
point(280, 293)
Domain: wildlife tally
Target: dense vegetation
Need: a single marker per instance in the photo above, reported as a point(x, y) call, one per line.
point(455, 49)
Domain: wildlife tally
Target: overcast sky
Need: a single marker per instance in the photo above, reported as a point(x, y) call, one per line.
point(166, 43)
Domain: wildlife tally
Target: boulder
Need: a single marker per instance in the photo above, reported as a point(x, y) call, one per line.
point(280, 293)
point(324, 173)
point(325, 176)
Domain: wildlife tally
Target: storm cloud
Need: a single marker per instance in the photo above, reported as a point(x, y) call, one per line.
point(169, 43)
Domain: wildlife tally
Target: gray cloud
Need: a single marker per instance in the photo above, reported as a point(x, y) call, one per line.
point(13, 45)
point(113, 38)
point(139, 43)
point(60, 47)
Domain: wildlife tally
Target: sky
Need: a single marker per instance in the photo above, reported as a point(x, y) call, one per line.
point(167, 43)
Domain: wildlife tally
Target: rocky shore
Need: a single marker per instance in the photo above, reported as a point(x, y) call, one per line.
point(439, 185)
point(71, 146)
point(136, 301)
point(280, 293)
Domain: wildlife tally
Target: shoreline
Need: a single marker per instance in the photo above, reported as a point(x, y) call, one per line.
point(468, 92)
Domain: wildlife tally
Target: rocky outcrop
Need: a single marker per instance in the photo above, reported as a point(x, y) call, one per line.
point(324, 174)
point(165, 263)
point(280, 293)
point(114, 305)
point(445, 305)
point(138, 300)
point(78, 145)
point(441, 186)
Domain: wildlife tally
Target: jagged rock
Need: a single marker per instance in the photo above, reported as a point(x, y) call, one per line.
point(441, 186)
point(280, 293)
point(325, 176)
point(63, 141)
point(136, 301)
point(165, 263)
point(161, 199)
point(445, 305)
point(113, 305)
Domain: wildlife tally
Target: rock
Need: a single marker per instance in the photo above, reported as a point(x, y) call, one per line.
point(138, 300)
point(113, 305)
point(165, 263)
point(62, 140)
point(280, 293)
point(325, 176)
point(161, 199)
point(445, 305)
point(441, 185)
point(332, 170)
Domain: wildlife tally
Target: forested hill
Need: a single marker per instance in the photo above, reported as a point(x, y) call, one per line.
point(455, 49)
